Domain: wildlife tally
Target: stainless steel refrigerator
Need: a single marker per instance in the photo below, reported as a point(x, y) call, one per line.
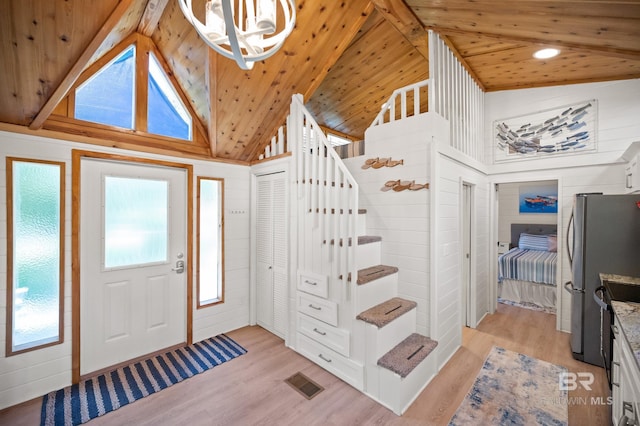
point(604, 238)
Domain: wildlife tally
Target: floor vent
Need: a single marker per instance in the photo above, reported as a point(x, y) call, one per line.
point(307, 387)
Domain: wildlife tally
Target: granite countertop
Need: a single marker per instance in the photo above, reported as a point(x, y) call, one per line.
point(627, 314)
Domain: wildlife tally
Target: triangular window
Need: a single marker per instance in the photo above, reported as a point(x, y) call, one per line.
point(166, 114)
point(109, 97)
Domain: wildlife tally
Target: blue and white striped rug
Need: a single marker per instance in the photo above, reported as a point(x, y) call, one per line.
point(99, 395)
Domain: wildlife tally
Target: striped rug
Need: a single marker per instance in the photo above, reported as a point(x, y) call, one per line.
point(99, 395)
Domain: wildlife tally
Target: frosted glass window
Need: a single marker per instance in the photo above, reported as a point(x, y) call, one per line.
point(210, 241)
point(35, 217)
point(108, 97)
point(136, 217)
point(166, 114)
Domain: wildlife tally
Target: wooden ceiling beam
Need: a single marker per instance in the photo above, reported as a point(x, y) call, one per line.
point(406, 22)
point(212, 84)
point(151, 16)
point(73, 74)
point(594, 49)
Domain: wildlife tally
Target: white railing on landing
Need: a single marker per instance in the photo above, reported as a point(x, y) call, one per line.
point(450, 92)
point(456, 96)
point(409, 99)
point(327, 201)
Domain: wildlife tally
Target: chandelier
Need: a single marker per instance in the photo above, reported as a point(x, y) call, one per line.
point(243, 30)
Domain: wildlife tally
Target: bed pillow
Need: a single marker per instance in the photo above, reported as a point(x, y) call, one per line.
point(533, 242)
point(552, 243)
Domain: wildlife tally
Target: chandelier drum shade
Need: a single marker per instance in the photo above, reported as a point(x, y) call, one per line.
point(244, 30)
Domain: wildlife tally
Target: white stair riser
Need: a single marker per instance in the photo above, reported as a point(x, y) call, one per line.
point(376, 292)
point(362, 224)
point(368, 255)
point(398, 393)
point(379, 341)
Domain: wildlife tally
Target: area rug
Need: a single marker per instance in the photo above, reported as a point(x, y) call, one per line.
point(527, 305)
point(514, 389)
point(99, 395)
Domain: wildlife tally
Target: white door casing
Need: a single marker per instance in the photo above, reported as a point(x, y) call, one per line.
point(129, 311)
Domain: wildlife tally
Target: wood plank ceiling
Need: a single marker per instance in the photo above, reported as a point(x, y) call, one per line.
point(345, 57)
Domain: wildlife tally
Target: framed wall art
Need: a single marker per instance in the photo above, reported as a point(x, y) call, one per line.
point(564, 130)
point(538, 199)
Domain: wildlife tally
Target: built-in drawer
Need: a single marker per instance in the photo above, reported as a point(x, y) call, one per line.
point(332, 337)
point(312, 283)
point(346, 369)
point(321, 309)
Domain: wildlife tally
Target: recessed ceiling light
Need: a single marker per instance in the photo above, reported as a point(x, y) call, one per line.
point(546, 53)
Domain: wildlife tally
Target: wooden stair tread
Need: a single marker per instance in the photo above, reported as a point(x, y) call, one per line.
point(406, 355)
point(373, 273)
point(382, 314)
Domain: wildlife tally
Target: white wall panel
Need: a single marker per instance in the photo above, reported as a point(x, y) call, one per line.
point(402, 218)
point(618, 124)
point(451, 174)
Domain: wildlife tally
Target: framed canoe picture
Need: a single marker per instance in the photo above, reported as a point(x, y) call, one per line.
point(565, 130)
point(538, 199)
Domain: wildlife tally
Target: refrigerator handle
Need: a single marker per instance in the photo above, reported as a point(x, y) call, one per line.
point(598, 296)
point(571, 289)
point(569, 244)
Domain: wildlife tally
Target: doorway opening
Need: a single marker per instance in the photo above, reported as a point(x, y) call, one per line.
point(527, 218)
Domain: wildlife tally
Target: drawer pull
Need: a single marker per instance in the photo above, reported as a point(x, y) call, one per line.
point(322, 333)
point(317, 308)
point(310, 282)
point(323, 358)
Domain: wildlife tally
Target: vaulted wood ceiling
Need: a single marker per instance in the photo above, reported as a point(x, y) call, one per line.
point(345, 57)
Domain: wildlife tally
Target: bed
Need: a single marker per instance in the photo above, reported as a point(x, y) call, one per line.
point(527, 272)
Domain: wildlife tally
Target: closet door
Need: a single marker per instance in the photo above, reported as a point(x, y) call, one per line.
point(272, 252)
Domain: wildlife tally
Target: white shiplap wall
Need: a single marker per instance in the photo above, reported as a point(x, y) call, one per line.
point(32, 374)
point(450, 170)
point(617, 127)
point(401, 218)
point(602, 171)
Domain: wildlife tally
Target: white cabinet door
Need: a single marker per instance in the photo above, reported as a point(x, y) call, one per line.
point(272, 252)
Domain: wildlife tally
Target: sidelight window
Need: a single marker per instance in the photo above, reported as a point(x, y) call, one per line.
point(210, 261)
point(35, 254)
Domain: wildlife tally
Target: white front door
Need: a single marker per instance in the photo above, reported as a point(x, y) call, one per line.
point(132, 239)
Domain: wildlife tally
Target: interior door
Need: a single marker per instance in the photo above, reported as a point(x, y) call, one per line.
point(466, 254)
point(133, 246)
point(272, 252)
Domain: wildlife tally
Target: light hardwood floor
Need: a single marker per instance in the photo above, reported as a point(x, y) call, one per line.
point(251, 390)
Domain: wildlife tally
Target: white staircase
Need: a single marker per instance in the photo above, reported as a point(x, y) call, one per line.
point(348, 318)
point(387, 322)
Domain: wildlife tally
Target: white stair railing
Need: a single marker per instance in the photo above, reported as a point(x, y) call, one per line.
point(408, 99)
point(327, 199)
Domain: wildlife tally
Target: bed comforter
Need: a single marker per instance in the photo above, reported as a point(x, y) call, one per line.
point(528, 265)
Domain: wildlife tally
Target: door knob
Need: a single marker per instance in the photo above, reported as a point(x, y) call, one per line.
point(179, 269)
